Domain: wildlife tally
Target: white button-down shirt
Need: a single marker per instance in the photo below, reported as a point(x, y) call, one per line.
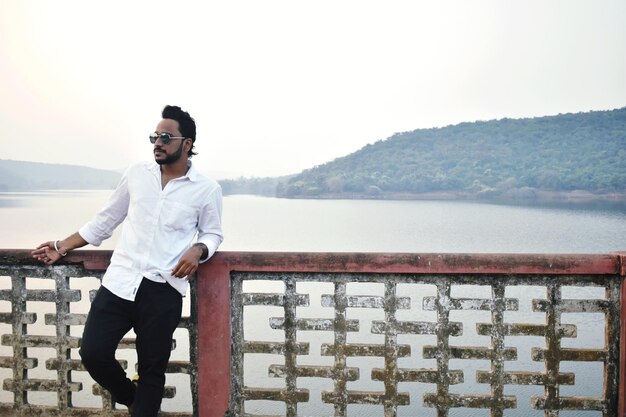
point(160, 224)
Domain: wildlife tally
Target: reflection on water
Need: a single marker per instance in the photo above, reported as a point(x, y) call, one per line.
point(32, 198)
point(606, 206)
point(13, 202)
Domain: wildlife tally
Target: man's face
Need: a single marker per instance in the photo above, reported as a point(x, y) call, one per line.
point(170, 153)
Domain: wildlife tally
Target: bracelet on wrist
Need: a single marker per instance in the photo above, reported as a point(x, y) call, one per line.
point(203, 249)
point(56, 248)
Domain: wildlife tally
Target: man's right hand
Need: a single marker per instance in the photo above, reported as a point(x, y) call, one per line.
point(46, 253)
point(49, 254)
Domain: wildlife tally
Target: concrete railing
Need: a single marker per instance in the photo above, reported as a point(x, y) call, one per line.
point(342, 334)
point(42, 314)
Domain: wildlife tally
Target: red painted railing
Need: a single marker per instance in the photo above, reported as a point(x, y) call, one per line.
point(214, 309)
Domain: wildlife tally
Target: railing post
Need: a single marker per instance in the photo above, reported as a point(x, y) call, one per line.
point(622, 356)
point(214, 338)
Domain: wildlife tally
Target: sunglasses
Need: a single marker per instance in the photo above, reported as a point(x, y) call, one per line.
point(165, 138)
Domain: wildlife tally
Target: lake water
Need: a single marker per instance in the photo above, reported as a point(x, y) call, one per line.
point(268, 224)
point(254, 223)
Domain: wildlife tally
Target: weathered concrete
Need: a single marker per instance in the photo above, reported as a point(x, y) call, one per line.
point(441, 271)
point(216, 361)
point(15, 268)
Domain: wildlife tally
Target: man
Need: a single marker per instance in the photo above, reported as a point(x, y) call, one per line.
point(164, 205)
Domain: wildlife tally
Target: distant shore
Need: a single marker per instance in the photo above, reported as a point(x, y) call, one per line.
point(540, 196)
point(523, 196)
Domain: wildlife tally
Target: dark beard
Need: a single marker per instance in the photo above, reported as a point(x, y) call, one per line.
point(170, 159)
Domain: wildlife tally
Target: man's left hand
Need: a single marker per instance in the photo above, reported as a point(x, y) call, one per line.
point(188, 263)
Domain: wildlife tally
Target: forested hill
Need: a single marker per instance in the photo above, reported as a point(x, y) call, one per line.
point(508, 157)
point(26, 176)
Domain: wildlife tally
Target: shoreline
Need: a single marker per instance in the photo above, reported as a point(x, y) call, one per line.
point(517, 196)
point(536, 196)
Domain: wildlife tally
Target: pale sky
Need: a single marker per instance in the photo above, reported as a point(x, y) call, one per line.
point(276, 87)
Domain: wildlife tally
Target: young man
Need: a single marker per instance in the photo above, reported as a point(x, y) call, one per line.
point(163, 205)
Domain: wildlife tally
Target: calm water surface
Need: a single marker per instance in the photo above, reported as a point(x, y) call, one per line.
point(268, 224)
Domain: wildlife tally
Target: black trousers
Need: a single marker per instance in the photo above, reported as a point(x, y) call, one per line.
point(154, 315)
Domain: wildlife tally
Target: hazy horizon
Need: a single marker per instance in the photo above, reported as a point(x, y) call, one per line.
point(278, 87)
point(228, 176)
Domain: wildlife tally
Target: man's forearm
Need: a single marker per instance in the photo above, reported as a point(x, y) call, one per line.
point(71, 242)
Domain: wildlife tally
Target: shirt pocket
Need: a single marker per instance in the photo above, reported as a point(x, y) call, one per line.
point(180, 218)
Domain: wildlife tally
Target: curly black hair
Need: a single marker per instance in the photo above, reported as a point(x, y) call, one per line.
point(187, 125)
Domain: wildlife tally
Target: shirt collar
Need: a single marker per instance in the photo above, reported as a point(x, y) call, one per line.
point(192, 172)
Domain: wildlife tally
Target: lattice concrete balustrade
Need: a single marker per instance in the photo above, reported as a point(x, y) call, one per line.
point(42, 313)
point(287, 334)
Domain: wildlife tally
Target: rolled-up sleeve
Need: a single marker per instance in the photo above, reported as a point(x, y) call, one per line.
point(102, 225)
point(210, 223)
